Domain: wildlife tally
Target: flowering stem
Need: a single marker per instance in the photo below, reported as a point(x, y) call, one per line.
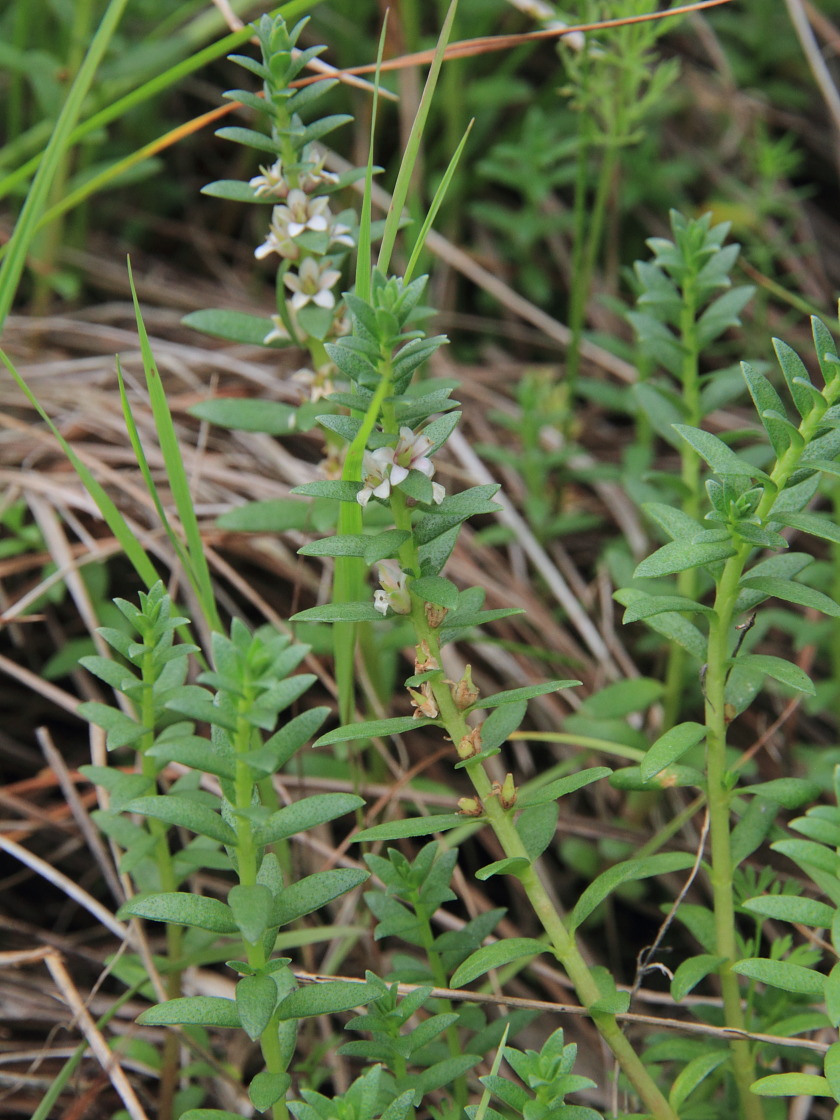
point(501, 821)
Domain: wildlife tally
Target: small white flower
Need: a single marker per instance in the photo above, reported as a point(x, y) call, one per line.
point(302, 212)
point(270, 181)
point(341, 234)
point(278, 333)
point(376, 470)
point(313, 282)
point(278, 241)
point(315, 176)
point(318, 383)
point(394, 593)
point(411, 454)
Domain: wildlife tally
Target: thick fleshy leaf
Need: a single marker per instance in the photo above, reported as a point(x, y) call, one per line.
point(671, 746)
point(694, 1074)
point(184, 812)
point(563, 786)
point(326, 998)
point(307, 895)
point(680, 556)
point(646, 606)
point(339, 612)
point(690, 972)
point(721, 459)
point(209, 1011)
point(781, 974)
point(792, 908)
point(417, 826)
point(811, 523)
point(181, 908)
point(435, 589)
point(370, 729)
point(791, 1085)
point(271, 417)
point(251, 907)
point(514, 695)
point(628, 871)
point(234, 326)
point(496, 955)
point(308, 813)
point(788, 792)
point(776, 667)
point(268, 1088)
point(256, 998)
point(793, 592)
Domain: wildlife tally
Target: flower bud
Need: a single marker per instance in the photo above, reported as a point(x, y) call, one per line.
point(464, 693)
point(434, 614)
point(424, 702)
point(470, 745)
point(423, 659)
point(470, 807)
point(507, 792)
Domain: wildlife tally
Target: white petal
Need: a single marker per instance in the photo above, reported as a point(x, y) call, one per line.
point(398, 474)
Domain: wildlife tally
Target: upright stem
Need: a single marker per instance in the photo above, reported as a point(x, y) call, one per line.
point(247, 869)
point(687, 581)
point(501, 821)
point(719, 792)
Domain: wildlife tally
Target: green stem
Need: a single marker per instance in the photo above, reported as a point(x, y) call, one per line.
point(687, 581)
point(247, 854)
point(501, 821)
point(168, 882)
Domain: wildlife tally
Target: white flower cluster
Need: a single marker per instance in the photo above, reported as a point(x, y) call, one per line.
point(301, 210)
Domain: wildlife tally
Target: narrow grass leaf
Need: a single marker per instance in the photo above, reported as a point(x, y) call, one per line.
point(197, 570)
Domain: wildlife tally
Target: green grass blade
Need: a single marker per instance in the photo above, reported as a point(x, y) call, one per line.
point(197, 569)
point(115, 521)
point(145, 470)
point(363, 261)
point(440, 194)
point(401, 188)
point(19, 244)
